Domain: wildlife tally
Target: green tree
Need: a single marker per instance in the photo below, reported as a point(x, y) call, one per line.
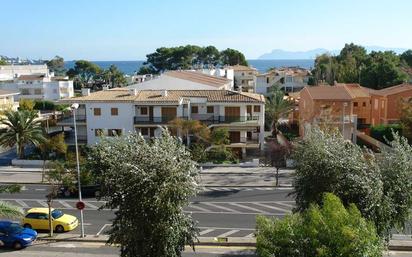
point(232, 57)
point(220, 136)
point(3, 62)
point(26, 104)
point(150, 195)
point(209, 56)
point(325, 162)
point(407, 57)
point(22, 128)
point(8, 210)
point(277, 106)
point(84, 73)
point(406, 119)
point(324, 231)
point(116, 78)
point(56, 65)
point(52, 146)
point(190, 127)
point(146, 69)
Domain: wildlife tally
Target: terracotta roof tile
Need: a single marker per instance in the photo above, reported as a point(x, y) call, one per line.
point(173, 96)
point(199, 78)
point(238, 67)
point(337, 93)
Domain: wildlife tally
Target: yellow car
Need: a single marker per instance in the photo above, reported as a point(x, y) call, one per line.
point(38, 218)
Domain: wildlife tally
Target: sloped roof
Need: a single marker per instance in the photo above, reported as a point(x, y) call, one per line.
point(238, 67)
point(395, 89)
point(336, 93)
point(199, 78)
point(355, 90)
point(31, 77)
point(173, 96)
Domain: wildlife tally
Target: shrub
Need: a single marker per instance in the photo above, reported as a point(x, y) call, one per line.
point(384, 132)
point(198, 152)
point(329, 230)
point(221, 154)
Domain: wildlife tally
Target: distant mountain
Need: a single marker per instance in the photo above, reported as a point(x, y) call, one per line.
point(311, 54)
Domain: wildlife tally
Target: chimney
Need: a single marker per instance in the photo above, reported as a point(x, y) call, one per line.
point(85, 91)
point(163, 92)
point(133, 91)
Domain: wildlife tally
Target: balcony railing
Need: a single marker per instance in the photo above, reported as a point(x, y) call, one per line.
point(154, 120)
point(206, 118)
point(363, 126)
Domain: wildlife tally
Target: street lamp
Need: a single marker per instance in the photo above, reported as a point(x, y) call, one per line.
point(74, 107)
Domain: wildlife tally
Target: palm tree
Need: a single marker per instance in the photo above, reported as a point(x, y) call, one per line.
point(187, 127)
point(22, 127)
point(277, 106)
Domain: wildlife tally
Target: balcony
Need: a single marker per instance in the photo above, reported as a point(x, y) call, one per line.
point(363, 126)
point(154, 120)
point(68, 121)
point(211, 119)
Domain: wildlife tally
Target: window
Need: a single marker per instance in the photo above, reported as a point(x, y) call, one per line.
point(355, 104)
point(195, 109)
point(97, 111)
point(98, 132)
point(25, 91)
point(376, 104)
point(143, 110)
point(114, 132)
point(256, 108)
point(38, 91)
point(114, 111)
point(32, 215)
point(383, 104)
point(364, 104)
point(144, 131)
point(267, 80)
point(249, 109)
point(210, 109)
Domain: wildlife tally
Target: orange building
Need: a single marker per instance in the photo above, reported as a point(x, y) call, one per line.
point(357, 106)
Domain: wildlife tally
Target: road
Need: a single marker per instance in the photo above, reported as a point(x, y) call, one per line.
point(220, 211)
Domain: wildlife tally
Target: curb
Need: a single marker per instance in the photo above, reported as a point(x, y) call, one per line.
point(24, 183)
point(243, 186)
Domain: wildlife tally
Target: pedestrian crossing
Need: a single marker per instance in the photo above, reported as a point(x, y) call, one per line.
point(226, 232)
point(274, 208)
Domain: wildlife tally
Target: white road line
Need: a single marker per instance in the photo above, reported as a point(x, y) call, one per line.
point(217, 206)
point(101, 230)
point(65, 204)
point(272, 207)
point(247, 207)
point(251, 229)
point(285, 204)
point(206, 231)
point(23, 188)
point(91, 205)
point(231, 232)
point(198, 208)
point(40, 189)
point(235, 213)
point(23, 204)
point(250, 235)
point(42, 203)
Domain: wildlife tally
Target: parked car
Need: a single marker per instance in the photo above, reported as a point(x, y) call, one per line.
point(14, 235)
point(38, 218)
point(87, 191)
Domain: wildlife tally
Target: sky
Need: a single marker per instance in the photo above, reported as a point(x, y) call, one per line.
point(101, 30)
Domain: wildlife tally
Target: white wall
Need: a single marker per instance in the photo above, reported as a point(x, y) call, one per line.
point(51, 90)
point(124, 120)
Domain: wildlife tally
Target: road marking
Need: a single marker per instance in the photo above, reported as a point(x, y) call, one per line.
point(217, 206)
point(23, 204)
point(247, 207)
point(235, 213)
point(91, 205)
point(231, 232)
point(206, 231)
point(250, 235)
point(285, 204)
point(65, 204)
point(272, 207)
point(42, 203)
point(40, 189)
point(23, 188)
point(101, 230)
point(251, 229)
point(198, 208)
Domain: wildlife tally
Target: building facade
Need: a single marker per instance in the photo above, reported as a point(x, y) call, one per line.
point(119, 111)
point(290, 79)
point(244, 78)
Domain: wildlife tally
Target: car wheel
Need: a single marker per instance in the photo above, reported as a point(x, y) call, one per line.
point(17, 245)
point(59, 229)
point(27, 226)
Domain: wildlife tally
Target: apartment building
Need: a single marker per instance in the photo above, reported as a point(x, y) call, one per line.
point(7, 100)
point(11, 72)
point(289, 79)
point(245, 78)
point(351, 107)
point(40, 86)
point(120, 110)
point(185, 80)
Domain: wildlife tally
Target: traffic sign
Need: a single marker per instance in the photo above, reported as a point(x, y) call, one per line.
point(80, 205)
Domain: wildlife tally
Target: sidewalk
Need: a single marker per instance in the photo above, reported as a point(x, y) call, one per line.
point(395, 245)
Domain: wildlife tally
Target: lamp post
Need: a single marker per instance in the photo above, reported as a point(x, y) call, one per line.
point(74, 107)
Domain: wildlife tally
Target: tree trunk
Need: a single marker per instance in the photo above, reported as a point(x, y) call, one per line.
point(274, 128)
point(20, 151)
point(277, 177)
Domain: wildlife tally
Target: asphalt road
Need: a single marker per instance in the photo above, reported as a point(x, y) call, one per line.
point(220, 212)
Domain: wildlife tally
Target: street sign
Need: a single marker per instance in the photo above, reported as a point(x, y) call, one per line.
point(80, 205)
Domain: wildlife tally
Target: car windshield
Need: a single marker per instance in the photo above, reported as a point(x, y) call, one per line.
point(15, 228)
point(56, 214)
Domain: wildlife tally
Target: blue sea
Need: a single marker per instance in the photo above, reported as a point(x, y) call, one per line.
point(129, 67)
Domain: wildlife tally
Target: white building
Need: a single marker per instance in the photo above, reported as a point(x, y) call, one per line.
point(290, 79)
point(11, 72)
point(40, 86)
point(184, 80)
point(224, 72)
point(245, 78)
point(120, 110)
point(7, 100)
